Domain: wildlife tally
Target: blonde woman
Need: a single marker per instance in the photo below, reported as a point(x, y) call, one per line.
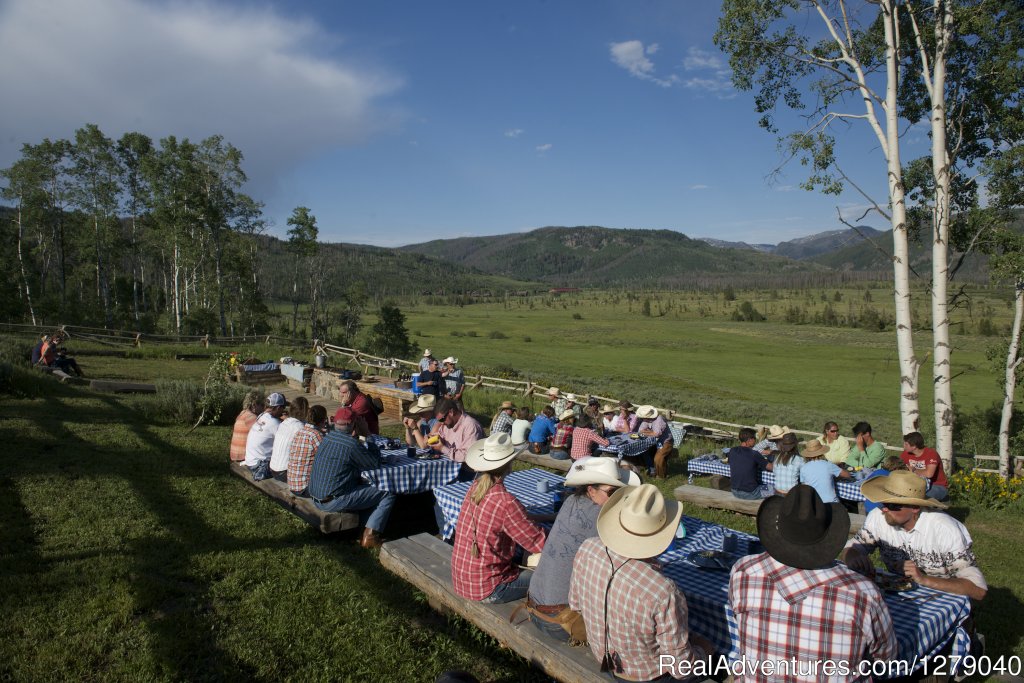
point(838, 445)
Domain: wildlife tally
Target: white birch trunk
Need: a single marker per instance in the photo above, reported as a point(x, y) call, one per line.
point(1010, 384)
point(177, 287)
point(21, 265)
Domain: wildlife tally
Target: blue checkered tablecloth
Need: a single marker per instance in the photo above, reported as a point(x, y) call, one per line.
point(925, 620)
point(521, 484)
point(402, 474)
point(848, 490)
point(622, 446)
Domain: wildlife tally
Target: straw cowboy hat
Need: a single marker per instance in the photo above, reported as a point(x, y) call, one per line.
point(900, 487)
point(426, 353)
point(814, 449)
point(505, 405)
point(553, 391)
point(646, 412)
point(638, 522)
point(801, 531)
point(424, 404)
point(592, 470)
point(775, 432)
point(571, 398)
point(487, 455)
point(608, 408)
point(567, 413)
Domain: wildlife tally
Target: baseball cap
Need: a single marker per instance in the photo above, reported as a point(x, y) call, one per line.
point(276, 400)
point(346, 415)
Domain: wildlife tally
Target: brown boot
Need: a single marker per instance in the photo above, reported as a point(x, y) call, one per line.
point(371, 539)
point(661, 459)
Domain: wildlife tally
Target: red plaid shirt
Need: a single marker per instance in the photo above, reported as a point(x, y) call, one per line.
point(582, 442)
point(562, 437)
point(243, 423)
point(496, 525)
point(810, 615)
point(646, 612)
point(300, 456)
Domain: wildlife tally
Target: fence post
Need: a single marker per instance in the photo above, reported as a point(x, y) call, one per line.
point(267, 341)
point(138, 339)
point(206, 341)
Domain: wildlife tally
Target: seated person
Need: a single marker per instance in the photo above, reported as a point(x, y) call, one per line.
point(786, 465)
point(492, 522)
point(914, 539)
point(456, 431)
point(351, 397)
point(890, 464)
point(769, 442)
point(653, 425)
point(819, 472)
point(745, 468)
point(866, 453)
point(626, 421)
point(593, 410)
point(335, 484)
point(52, 354)
point(419, 421)
point(595, 480)
point(504, 418)
point(561, 442)
point(608, 415)
point(584, 438)
point(838, 446)
point(259, 444)
point(252, 408)
point(542, 430)
point(37, 350)
point(557, 404)
point(636, 617)
point(303, 450)
point(290, 426)
point(795, 603)
point(571, 403)
point(925, 463)
point(521, 427)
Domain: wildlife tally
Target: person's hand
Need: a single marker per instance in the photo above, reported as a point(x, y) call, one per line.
point(859, 562)
point(408, 422)
point(912, 572)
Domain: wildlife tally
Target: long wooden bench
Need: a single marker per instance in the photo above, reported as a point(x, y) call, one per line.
point(724, 500)
point(326, 522)
point(425, 562)
point(545, 460)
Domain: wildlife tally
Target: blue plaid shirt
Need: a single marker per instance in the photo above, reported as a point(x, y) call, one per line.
point(787, 476)
point(337, 465)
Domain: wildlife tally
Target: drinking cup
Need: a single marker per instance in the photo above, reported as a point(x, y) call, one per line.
point(543, 486)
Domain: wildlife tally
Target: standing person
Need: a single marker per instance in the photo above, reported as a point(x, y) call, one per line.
point(745, 468)
point(795, 605)
point(866, 452)
point(626, 421)
point(652, 424)
point(838, 445)
point(456, 431)
point(542, 430)
point(521, 427)
point(786, 465)
point(425, 361)
point(492, 522)
point(430, 380)
point(259, 444)
point(504, 418)
point(303, 449)
point(636, 617)
point(925, 463)
point(572, 403)
point(819, 473)
point(561, 442)
point(252, 407)
point(454, 379)
point(595, 480)
point(360, 404)
point(335, 484)
point(585, 438)
point(290, 426)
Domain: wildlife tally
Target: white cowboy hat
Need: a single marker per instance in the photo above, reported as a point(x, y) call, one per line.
point(570, 397)
point(553, 391)
point(608, 408)
point(638, 522)
point(491, 453)
point(900, 487)
point(566, 414)
point(426, 352)
point(591, 470)
point(449, 359)
point(424, 404)
point(776, 432)
point(646, 412)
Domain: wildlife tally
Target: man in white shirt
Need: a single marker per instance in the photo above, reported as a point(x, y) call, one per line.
point(259, 446)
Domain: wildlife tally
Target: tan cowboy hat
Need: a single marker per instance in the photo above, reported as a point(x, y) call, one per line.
point(901, 487)
point(451, 361)
point(505, 405)
point(491, 453)
point(424, 404)
point(775, 432)
point(646, 412)
point(638, 522)
point(799, 530)
point(608, 408)
point(567, 413)
point(553, 391)
point(426, 353)
point(592, 470)
point(814, 449)
point(571, 398)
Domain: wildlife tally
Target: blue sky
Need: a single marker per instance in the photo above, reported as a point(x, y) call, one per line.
point(399, 122)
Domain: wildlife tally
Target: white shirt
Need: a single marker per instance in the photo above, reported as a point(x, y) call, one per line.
point(260, 443)
point(282, 442)
point(520, 432)
point(938, 544)
point(609, 423)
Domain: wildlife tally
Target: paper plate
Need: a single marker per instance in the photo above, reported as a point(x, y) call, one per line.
point(893, 583)
point(710, 559)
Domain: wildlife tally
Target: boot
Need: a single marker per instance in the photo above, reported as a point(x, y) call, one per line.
point(371, 539)
point(661, 459)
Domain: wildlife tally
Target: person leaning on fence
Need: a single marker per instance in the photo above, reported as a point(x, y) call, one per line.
point(654, 425)
point(635, 616)
point(542, 430)
point(492, 522)
point(259, 445)
point(252, 407)
point(786, 465)
point(504, 418)
point(425, 360)
point(290, 426)
point(561, 442)
point(585, 439)
point(595, 480)
point(745, 468)
point(521, 427)
point(303, 450)
point(796, 605)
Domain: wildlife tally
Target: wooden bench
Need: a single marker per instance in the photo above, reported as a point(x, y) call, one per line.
point(724, 500)
point(62, 377)
point(425, 562)
point(326, 522)
point(545, 460)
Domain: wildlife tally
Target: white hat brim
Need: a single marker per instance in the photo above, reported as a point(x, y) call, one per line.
point(480, 459)
point(615, 536)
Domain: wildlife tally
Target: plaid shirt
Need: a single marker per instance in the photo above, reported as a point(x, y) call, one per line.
point(582, 441)
point(300, 456)
point(646, 612)
point(502, 423)
point(243, 423)
point(562, 437)
point(337, 464)
point(810, 615)
point(494, 526)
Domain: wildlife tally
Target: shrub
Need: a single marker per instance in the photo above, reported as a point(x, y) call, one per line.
point(471, 333)
point(577, 316)
point(497, 335)
point(985, 489)
point(17, 377)
point(527, 339)
point(455, 333)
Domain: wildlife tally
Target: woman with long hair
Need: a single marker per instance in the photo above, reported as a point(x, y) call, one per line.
point(838, 445)
point(787, 463)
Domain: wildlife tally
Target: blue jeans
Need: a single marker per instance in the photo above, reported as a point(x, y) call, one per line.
point(516, 589)
point(559, 454)
point(937, 492)
point(553, 631)
point(372, 504)
point(544, 447)
point(760, 492)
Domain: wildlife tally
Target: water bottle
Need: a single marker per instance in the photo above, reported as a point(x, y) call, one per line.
point(729, 543)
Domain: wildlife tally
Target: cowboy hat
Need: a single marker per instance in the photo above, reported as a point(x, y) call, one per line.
point(776, 432)
point(638, 522)
point(902, 487)
point(591, 470)
point(426, 353)
point(814, 449)
point(566, 414)
point(570, 397)
point(625, 404)
point(646, 412)
point(505, 405)
point(801, 531)
point(553, 391)
point(424, 404)
point(788, 441)
point(608, 408)
point(487, 455)
point(451, 361)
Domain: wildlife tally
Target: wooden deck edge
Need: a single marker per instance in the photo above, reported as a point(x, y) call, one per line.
point(425, 562)
point(545, 461)
point(325, 522)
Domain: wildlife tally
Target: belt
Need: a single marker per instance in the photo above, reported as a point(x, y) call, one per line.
point(550, 610)
point(324, 501)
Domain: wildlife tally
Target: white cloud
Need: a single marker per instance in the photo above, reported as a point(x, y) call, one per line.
point(545, 147)
point(715, 76)
point(698, 187)
point(697, 58)
point(631, 55)
point(514, 132)
point(263, 80)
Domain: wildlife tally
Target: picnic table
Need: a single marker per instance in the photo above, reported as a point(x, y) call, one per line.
point(401, 474)
point(625, 446)
point(848, 490)
point(521, 484)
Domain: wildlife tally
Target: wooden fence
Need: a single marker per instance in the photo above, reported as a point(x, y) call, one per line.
point(123, 338)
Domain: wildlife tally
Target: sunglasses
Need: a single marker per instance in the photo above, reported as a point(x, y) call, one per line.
point(893, 507)
point(833, 431)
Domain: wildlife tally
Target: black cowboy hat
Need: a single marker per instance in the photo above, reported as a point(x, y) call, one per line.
point(801, 531)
